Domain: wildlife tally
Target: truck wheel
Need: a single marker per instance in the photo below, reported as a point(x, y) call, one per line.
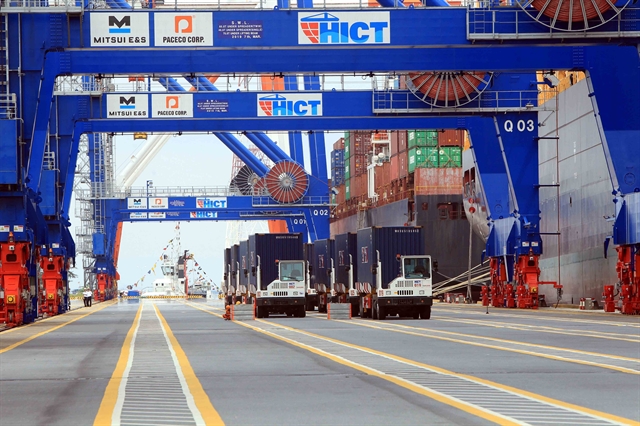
point(382, 314)
point(416, 314)
point(303, 312)
point(426, 312)
point(265, 313)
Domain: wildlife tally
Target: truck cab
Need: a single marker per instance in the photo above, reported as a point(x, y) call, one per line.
point(286, 294)
point(410, 294)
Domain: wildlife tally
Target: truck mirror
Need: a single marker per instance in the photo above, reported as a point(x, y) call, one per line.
point(347, 268)
point(253, 271)
point(374, 269)
point(225, 276)
point(328, 271)
point(435, 265)
point(398, 257)
point(311, 269)
point(246, 272)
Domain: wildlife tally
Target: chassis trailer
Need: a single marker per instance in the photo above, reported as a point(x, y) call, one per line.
point(394, 274)
point(278, 277)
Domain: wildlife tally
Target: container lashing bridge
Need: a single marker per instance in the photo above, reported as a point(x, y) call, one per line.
point(39, 144)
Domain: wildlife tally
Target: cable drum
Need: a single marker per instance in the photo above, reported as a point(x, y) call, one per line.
point(572, 15)
point(287, 182)
point(447, 89)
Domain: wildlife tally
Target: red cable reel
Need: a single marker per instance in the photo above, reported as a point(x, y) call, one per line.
point(287, 182)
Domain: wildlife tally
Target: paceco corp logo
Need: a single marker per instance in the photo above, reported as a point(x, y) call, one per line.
point(290, 105)
point(344, 28)
point(172, 102)
point(120, 26)
point(183, 24)
point(164, 105)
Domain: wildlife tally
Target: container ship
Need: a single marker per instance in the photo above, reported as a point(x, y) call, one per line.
point(406, 178)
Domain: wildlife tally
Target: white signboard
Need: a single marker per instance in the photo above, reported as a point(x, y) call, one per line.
point(158, 203)
point(337, 28)
point(157, 215)
point(183, 29)
point(138, 215)
point(119, 29)
point(172, 105)
point(136, 203)
point(127, 106)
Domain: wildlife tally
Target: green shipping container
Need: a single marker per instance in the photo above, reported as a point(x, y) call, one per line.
point(417, 138)
point(347, 150)
point(347, 189)
point(347, 172)
point(422, 157)
point(450, 156)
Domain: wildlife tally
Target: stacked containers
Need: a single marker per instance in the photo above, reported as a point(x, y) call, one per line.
point(423, 151)
point(357, 145)
point(346, 252)
point(323, 254)
point(398, 167)
point(337, 167)
point(269, 248)
point(450, 152)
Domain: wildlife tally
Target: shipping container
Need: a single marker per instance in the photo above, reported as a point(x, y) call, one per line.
point(359, 143)
point(347, 150)
point(337, 158)
point(312, 294)
point(265, 249)
point(235, 266)
point(438, 181)
point(339, 144)
point(226, 271)
point(243, 255)
point(394, 168)
point(346, 253)
point(382, 175)
point(403, 166)
point(337, 176)
point(426, 156)
point(323, 251)
point(359, 186)
point(357, 166)
point(398, 141)
point(451, 137)
point(347, 189)
point(417, 138)
point(450, 156)
point(341, 194)
point(388, 242)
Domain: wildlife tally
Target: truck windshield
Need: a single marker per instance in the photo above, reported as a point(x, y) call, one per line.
point(419, 267)
point(291, 271)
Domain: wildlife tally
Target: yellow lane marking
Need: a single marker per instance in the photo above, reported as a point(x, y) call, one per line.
point(544, 329)
point(200, 397)
point(105, 412)
point(497, 312)
point(515, 391)
point(469, 408)
point(501, 348)
point(42, 333)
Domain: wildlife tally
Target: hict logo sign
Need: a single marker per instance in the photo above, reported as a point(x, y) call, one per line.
point(290, 105)
point(113, 29)
point(127, 106)
point(164, 105)
point(211, 203)
point(173, 29)
point(344, 28)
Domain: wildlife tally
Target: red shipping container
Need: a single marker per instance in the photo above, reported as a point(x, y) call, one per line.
point(382, 177)
point(357, 165)
point(339, 144)
point(360, 142)
point(394, 168)
point(402, 140)
point(403, 166)
point(451, 137)
point(359, 186)
point(438, 181)
point(342, 194)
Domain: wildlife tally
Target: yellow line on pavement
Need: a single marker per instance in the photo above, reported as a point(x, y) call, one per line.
point(57, 327)
point(200, 397)
point(105, 412)
point(501, 348)
point(515, 391)
point(544, 329)
point(471, 409)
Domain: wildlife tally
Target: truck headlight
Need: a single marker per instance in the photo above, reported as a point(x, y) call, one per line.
point(388, 293)
point(295, 293)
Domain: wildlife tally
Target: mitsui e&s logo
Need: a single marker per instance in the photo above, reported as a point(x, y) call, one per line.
point(127, 106)
point(119, 29)
point(344, 28)
point(290, 105)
